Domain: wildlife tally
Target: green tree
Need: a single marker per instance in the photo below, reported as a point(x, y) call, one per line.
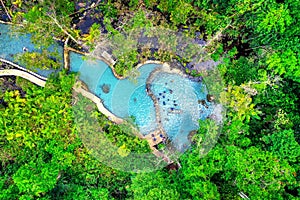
point(257, 173)
point(154, 185)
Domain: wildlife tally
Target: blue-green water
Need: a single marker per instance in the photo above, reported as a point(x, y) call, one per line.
point(179, 107)
point(11, 45)
point(125, 98)
point(178, 97)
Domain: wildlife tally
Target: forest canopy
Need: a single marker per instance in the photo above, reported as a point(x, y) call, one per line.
point(257, 155)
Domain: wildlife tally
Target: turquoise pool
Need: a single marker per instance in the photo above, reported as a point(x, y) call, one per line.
point(178, 97)
point(180, 109)
point(124, 98)
point(11, 45)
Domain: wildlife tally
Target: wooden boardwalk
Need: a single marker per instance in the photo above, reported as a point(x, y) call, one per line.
point(22, 69)
point(25, 75)
point(160, 130)
point(162, 155)
point(41, 81)
point(99, 104)
point(151, 140)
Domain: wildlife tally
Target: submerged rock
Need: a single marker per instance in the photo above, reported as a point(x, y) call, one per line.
point(202, 102)
point(105, 88)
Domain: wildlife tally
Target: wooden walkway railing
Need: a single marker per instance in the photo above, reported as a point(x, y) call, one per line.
point(25, 75)
point(99, 104)
point(41, 81)
point(22, 69)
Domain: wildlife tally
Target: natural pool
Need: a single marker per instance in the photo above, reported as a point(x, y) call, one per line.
point(178, 97)
point(11, 45)
point(180, 108)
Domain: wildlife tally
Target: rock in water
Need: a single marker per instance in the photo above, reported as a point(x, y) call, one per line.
point(210, 98)
point(105, 88)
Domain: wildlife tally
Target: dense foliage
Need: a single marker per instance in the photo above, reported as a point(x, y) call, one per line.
point(41, 152)
point(258, 152)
